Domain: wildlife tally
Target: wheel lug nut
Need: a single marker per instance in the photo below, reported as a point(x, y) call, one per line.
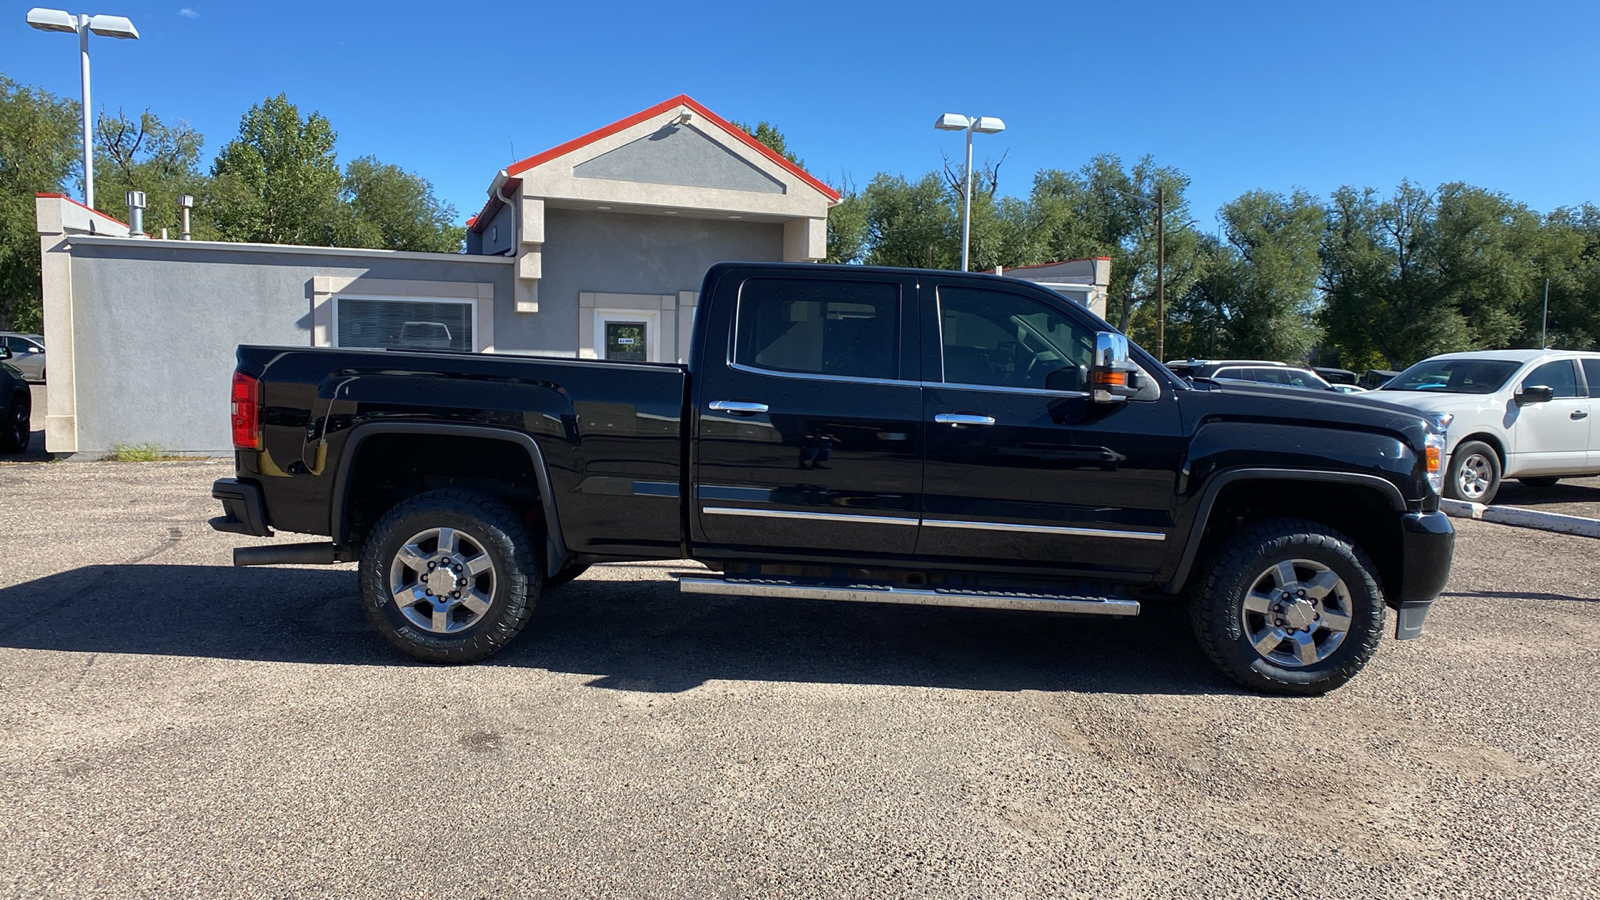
point(429, 593)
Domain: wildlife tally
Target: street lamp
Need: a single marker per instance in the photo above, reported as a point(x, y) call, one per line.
point(969, 124)
point(105, 26)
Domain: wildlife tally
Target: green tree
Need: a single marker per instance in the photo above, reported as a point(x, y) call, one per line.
point(847, 226)
point(772, 138)
point(1270, 278)
point(278, 182)
point(1104, 209)
point(163, 161)
point(910, 223)
point(38, 154)
point(391, 209)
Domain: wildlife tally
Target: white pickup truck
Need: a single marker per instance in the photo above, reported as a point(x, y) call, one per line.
point(1522, 414)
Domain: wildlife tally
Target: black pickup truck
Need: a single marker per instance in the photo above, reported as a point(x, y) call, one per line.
point(851, 434)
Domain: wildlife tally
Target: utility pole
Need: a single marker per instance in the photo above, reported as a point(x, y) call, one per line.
point(1161, 274)
point(1544, 321)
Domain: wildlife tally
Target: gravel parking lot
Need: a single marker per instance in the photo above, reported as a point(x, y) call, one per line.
point(173, 726)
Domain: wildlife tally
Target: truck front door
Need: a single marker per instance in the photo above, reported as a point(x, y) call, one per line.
point(1022, 468)
point(808, 421)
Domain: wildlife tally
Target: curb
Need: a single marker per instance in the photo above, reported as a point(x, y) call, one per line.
point(1522, 518)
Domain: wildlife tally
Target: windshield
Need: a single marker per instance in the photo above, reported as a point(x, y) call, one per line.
point(1454, 376)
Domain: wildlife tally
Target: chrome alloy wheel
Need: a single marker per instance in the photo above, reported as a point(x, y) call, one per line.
point(1475, 476)
point(442, 580)
point(1297, 613)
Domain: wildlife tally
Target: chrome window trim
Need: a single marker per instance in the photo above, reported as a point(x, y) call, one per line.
point(1002, 389)
point(808, 376)
point(1048, 529)
point(851, 518)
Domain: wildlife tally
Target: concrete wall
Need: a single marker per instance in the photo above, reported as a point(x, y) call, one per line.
point(623, 253)
point(156, 323)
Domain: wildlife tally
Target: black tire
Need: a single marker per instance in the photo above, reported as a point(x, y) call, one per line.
point(1484, 462)
point(1543, 481)
point(568, 572)
point(486, 526)
point(16, 432)
point(1248, 555)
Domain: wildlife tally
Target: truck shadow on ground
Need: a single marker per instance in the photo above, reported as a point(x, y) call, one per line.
point(1513, 494)
point(628, 635)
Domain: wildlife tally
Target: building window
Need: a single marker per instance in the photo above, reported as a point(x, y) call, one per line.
point(393, 323)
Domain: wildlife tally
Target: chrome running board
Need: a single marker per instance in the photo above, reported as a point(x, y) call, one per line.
point(918, 596)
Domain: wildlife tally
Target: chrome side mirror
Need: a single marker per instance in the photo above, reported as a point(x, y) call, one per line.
point(1113, 378)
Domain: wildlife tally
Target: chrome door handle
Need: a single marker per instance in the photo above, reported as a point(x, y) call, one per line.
point(743, 407)
point(962, 419)
point(1580, 414)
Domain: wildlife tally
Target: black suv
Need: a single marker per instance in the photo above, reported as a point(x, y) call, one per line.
point(16, 407)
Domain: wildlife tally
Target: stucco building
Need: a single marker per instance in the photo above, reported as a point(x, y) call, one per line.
point(611, 232)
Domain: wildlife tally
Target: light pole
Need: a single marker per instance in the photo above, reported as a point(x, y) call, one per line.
point(969, 124)
point(81, 25)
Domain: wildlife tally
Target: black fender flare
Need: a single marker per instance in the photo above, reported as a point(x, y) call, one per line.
point(555, 544)
point(1202, 515)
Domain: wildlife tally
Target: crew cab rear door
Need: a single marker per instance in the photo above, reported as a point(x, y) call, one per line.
point(808, 418)
point(1022, 468)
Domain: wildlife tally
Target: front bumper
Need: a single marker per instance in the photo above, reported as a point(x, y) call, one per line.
point(1427, 544)
point(242, 506)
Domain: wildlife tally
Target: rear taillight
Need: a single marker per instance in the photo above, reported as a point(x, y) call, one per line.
point(246, 412)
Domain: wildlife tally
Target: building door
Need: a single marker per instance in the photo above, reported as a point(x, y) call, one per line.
point(625, 341)
point(628, 335)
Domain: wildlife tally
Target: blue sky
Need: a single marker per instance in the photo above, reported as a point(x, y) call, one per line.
point(1239, 96)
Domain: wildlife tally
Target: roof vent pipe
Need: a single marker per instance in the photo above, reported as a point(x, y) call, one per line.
point(185, 203)
point(136, 214)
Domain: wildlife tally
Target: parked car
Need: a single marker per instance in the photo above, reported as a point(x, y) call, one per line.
point(1523, 414)
point(1377, 378)
point(424, 336)
point(27, 353)
point(16, 407)
point(847, 433)
point(1257, 371)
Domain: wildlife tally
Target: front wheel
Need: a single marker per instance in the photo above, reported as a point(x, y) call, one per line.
point(1474, 473)
point(449, 576)
point(1289, 606)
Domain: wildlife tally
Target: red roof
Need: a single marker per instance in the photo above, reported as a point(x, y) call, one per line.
point(738, 133)
point(1058, 262)
point(80, 203)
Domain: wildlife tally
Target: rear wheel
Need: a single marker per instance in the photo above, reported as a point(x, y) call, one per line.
point(1289, 606)
point(1542, 481)
point(449, 576)
point(1474, 473)
point(15, 429)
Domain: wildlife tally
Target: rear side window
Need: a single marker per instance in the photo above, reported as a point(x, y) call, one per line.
point(848, 329)
point(1556, 375)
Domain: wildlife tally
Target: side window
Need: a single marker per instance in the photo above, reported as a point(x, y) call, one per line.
point(1591, 371)
point(1298, 379)
point(1007, 340)
point(1234, 374)
point(1266, 375)
point(1557, 375)
point(816, 327)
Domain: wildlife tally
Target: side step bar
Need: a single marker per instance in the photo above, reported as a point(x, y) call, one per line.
point(919, 596)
